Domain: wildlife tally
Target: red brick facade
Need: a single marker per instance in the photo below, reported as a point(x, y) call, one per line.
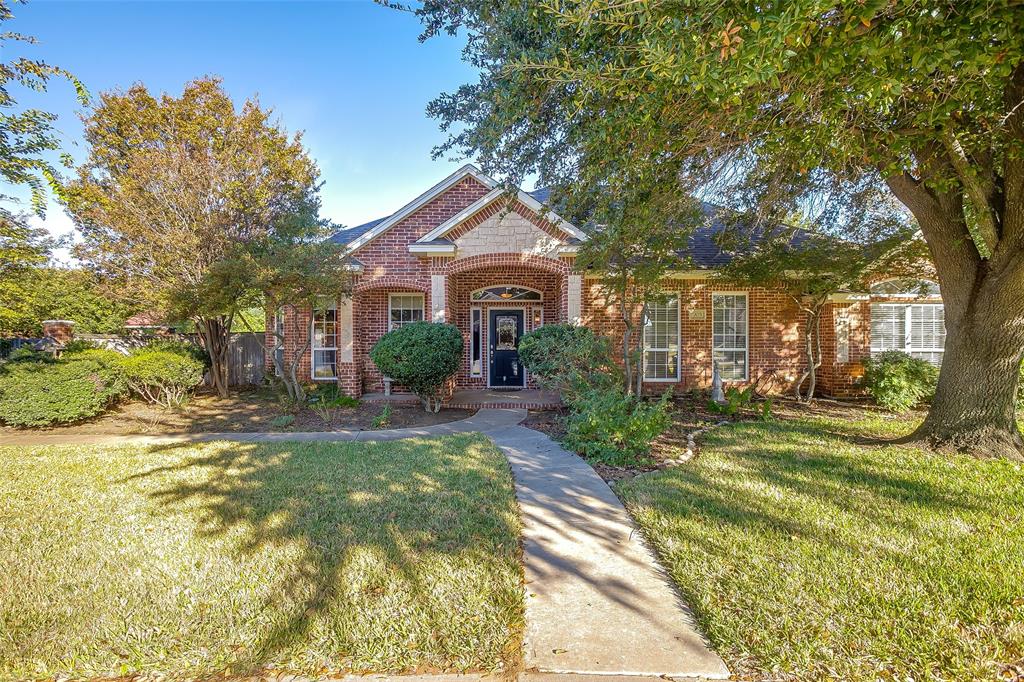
point(775, 349)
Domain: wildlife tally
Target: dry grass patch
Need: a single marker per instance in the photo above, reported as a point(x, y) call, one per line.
point(314, 558)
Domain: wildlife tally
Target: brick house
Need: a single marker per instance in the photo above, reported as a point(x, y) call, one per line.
point(467, 253)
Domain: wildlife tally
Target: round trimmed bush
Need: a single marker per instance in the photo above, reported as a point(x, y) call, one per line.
point(569, 359)
point(898, 381)
point(42, 393)
point(183, 348)
point(161, 377)
point(421, 356)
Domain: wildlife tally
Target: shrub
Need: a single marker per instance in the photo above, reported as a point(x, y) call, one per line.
point(184, 348)
point(41, 393)
point(331, 395)
point(421, 356)
point(614, 428)
point(898, 381)
point(29, 354)
point(77, 346)
point(569, 359)
point(161, 377)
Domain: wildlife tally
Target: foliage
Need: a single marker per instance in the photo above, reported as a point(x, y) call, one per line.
point(615, 428)
point(332, 395)
point(792, 543)
point(898, 381)
point(736, 399)
point(52, 293)
point(67, 390)
point(29, 354)
point(637, 235)
point(23, 249)
point(421, 356)
point(383, 420)
point(837, 111)
point(569, 359)
point(194, 204)
point(77, 346)
point(811, 266)
point(161, 377)
point(181, 347)
point(27, 135)
point(209, 545)
point(282, 421)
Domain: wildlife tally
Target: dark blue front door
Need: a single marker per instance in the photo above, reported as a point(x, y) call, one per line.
point(506, 326)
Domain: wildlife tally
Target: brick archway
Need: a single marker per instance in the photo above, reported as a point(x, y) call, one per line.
point(489, 260)
point(392, 282)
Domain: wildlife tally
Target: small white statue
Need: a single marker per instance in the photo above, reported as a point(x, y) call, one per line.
point(717, 392)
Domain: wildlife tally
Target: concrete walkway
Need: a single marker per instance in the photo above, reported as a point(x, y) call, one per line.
point(597, 602)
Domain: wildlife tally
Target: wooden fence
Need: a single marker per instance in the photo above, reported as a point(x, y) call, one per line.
point(246, 354)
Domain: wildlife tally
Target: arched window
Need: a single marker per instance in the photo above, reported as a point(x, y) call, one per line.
point(503, 293)
point(905, 288)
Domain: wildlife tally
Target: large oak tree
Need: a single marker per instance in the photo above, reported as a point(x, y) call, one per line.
point(785, 105)
point(183, 199)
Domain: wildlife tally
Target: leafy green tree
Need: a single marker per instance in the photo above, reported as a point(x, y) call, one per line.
point(178, 194)
point(23, 249)
point(25, 136)
point(76, 294)
point(785, 106)
point(635, 241)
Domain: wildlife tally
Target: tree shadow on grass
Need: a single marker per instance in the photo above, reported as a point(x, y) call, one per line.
point(407, 501)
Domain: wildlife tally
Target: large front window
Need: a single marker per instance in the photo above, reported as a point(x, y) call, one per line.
point(403, 309)
point(729, 335)
point(325, 342)
point(661, 341)
point(918, 329)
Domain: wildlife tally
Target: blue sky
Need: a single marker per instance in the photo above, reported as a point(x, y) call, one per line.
point(352, 75)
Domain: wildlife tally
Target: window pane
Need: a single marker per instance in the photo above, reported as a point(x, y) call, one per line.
point(729, 335)
point(476, 365)
point(661, 340)
point(323, 364)
point(405, 308)
point(887, 327)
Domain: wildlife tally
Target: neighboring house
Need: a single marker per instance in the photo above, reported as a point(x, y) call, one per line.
point(498, 266)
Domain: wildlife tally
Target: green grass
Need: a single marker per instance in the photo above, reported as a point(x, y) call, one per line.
point(312, 558)
point(807, 556)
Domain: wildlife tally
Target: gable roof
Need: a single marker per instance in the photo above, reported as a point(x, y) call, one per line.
point(355, 237)
point(486, 200)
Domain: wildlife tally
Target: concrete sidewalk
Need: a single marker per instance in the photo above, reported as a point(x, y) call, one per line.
point(482, 422)
point(597, 602)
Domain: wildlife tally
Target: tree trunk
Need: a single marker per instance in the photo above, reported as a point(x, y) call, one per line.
point(215, 335)
point(973, 409)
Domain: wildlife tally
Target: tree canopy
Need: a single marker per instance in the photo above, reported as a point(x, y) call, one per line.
point(185, 200)
point(822, 108)
point(27, 134)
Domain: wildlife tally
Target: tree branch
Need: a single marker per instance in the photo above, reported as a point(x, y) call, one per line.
point(978, 189)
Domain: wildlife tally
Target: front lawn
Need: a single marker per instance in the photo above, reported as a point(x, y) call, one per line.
point(314, 558)
point(808, 556)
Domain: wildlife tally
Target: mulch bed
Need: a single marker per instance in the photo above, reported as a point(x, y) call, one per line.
point(690, 413)
point(245, 411)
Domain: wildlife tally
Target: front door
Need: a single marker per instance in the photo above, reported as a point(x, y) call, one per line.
point(506, 327)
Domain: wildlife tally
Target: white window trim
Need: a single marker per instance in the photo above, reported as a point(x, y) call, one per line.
point(479, 312)
point(679, 347)
point(907, 331)
point(510, 301)
point(313, 348)
point(411, 294)
point(746, 333)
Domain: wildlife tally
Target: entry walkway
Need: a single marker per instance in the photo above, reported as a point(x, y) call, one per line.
point(597, 602)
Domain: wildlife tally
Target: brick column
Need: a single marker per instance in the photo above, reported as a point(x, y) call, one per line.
point(61, 331)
